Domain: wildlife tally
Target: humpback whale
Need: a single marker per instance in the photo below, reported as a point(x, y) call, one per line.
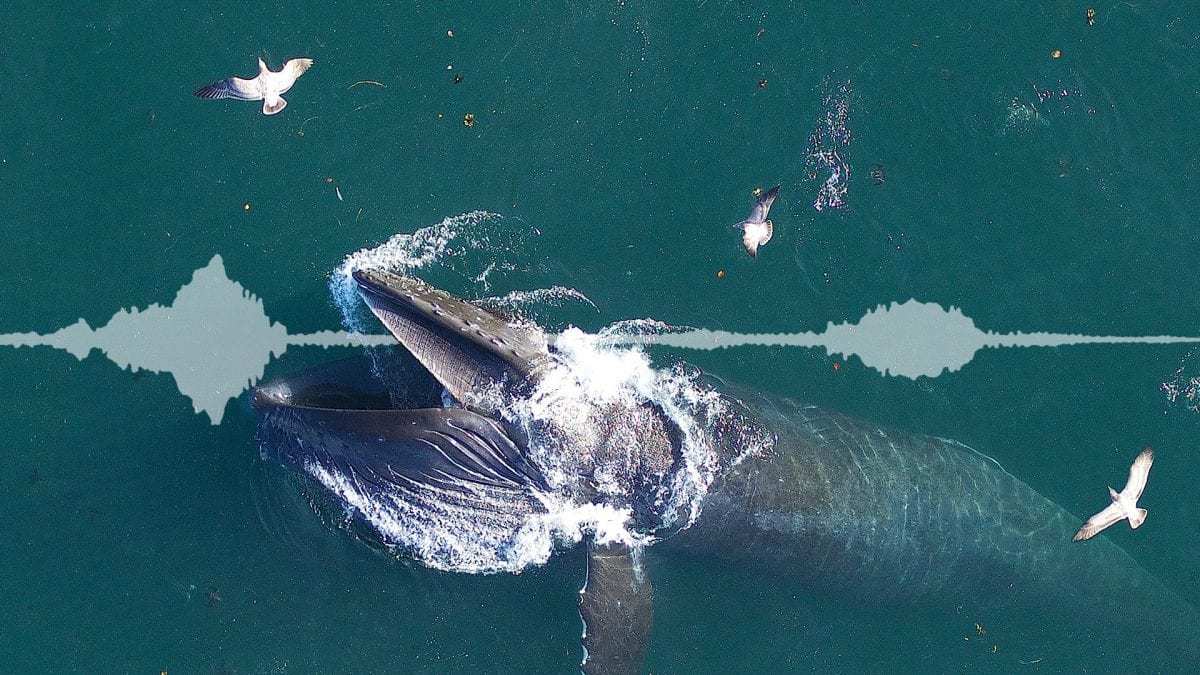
point(840, 506)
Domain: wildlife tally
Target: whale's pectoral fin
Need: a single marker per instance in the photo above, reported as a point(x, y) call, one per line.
point(616, 604)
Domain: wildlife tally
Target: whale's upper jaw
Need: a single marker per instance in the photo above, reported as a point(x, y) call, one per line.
point(467, 349)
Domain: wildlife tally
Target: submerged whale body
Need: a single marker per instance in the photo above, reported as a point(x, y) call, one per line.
point(839, 506)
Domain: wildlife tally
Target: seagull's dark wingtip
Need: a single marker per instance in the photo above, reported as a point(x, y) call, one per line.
point(208, 91)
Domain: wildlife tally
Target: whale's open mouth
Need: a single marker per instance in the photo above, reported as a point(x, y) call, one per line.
point(536, 449)
point(449, 486)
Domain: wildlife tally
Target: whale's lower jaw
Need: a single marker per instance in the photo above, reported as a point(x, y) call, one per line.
point(890, 518)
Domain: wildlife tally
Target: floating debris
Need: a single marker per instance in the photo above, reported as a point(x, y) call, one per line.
point(760, 32)
point(878, 175)
point(980, 630)
point(246, 207)
point(1091, 16)
point(756, 192)
point(300, 131)
point(721, 274)
point(214, 598)
point(468, 120)
point(457, 78)
point(329, 180)
point(338, 191)
point(762, 84)
point(371, 82)
point(449, 33)
point(1056, 54)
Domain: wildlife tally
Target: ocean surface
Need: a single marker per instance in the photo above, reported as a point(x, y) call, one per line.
point(1009, 160)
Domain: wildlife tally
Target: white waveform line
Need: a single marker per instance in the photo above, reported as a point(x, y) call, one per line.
point(1019, 339)
point(705, 339)
point(910, 339)
point(68, 340)
point(215, 339)
point(339, 338)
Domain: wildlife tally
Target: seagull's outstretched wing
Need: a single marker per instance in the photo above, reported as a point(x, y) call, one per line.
point(1097, 523)
point(762, 206)
point(286, 77)
point(1139, 472)
point(231, 87)
point(295, 67)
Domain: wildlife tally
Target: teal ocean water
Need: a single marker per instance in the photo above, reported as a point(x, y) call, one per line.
point(974, 170)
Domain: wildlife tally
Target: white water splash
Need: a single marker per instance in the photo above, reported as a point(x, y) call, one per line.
point(567, 524)
point(405, 253)
point(829, 147)
point(521, 301)
point(590, 379)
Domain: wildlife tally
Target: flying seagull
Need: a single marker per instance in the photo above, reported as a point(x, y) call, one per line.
point(756, 229)
point(1124, 503)
point(268, 87)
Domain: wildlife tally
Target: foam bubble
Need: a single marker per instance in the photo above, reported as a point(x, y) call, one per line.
point(405, 253)
point(519, 301)
point(592, 389)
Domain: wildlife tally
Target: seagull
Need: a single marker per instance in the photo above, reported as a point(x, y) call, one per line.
point(1124, 503)
point(756, 229)
point(267, 87)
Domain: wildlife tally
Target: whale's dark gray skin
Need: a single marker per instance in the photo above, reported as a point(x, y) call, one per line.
point(839, 506)
point(466, 348)
point(898, 518)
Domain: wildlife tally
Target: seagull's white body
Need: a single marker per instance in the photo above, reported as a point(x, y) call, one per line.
point(1124, 503)
point(268, 87)
point(756, 228)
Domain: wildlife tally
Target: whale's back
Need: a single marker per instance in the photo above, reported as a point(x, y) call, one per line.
point(847, 507)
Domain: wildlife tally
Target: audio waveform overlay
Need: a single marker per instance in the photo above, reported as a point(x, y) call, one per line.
point(910, 339)
point(215, 339)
